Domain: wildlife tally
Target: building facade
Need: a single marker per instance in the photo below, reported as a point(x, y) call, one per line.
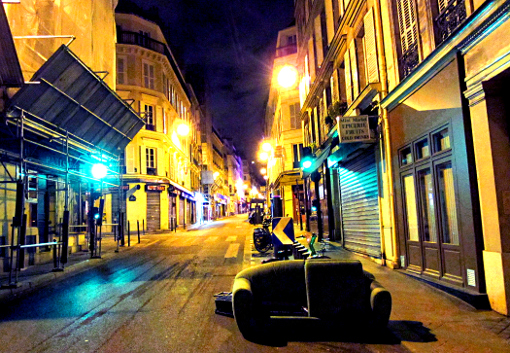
point(402, 105)
point(162, 160)
point(63, 117)
point(283, 130)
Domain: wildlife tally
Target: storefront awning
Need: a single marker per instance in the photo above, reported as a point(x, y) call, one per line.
point(287, 178)
point(10, 70)
point(68, 96)
point(185, 193)
point(319, 159)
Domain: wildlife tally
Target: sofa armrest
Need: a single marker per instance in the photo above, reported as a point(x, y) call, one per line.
point(380, 301)
point(242, 306)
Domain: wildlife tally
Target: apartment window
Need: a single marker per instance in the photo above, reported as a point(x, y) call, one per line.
point(150, 155)
point(297, 152)
point(148, 75)
point(408, 29)
point(149, 117)
point(295, 122)
point(121, 71)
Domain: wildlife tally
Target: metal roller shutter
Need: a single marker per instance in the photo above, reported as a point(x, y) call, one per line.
point(181, 211)
point(153, 211)
point(360, 206)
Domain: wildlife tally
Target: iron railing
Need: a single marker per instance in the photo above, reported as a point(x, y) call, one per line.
point(126, 37)
point(409, 60)
point(286, 50)
point(449, 19)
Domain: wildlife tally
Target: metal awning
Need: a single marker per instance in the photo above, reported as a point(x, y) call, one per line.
point(288, 178)
point(70, 97)
point(10, 69)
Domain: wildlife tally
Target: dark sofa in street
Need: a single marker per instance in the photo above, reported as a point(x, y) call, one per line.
point(284, 295)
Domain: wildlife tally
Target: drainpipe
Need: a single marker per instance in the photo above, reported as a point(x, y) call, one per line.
point(386, 130)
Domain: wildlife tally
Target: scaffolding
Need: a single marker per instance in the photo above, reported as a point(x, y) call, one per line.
point(25, 140)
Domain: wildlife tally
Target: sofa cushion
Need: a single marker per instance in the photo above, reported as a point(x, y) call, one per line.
point(277, 286)
point(337, 289)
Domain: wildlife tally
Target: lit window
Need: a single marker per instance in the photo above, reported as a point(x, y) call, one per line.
point(149, 117)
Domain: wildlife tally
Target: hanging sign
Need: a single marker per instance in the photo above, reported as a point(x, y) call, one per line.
point(132, 198)
point(354, 129)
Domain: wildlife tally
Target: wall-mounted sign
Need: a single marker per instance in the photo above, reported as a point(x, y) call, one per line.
point(354, 129)
point(132, 198)
point(154, 187)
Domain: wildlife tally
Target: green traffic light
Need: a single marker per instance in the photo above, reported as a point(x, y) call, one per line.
point(96, 216)
point(307, 164)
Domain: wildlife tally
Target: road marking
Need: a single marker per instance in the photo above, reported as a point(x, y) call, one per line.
point(232, 251)
point(232, 238)
point(210, 239)
point(238, 226)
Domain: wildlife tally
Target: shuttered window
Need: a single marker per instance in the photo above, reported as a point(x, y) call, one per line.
point(130, 159)
point(370, 47)
point(294, 116)
point(348, 80)
point(148, 75)
point(121, 71)
point(354, 69)
point(442, 4)
point(407, 24)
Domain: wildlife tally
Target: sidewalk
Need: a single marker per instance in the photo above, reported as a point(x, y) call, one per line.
point(424, 318)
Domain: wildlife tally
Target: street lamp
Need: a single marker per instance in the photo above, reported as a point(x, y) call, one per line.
point(266, 147)
point(287, 77)
point(183, 129)
point(263, 156)
point(99, 171)
point(263, 171)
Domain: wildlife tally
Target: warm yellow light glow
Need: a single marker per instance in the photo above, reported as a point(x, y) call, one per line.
point(266, 177)
point(266, 147)
point(245, 186)
point(263, 171)
point(263, 156)
point(216, 174)
point(183, 129)
point(287, 76)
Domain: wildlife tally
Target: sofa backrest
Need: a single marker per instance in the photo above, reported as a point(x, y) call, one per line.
point(337, 289)
point(279, 282)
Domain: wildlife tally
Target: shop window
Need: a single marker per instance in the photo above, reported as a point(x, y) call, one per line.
point(410, 204)
point(427, 207)
point(422, 149)
point(406, 156)
point(447, 207)
point(441, 140)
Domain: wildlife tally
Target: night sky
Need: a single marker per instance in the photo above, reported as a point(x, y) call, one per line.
point(225, 48)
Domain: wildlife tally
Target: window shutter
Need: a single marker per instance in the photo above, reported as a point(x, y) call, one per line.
point(354, 70)
point(159, 160)
point(443, 4)
point(130, 159)
point(159, 119)
point(408, 27)
point(143, 160)
point(348, 81)
point(372, 66)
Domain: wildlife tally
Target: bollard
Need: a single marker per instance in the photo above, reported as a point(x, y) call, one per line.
point(138, 230)
point(55, 260)
point(143, 226)
point(129, 233)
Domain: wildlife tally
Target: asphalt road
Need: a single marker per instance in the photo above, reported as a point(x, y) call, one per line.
point(158, 297)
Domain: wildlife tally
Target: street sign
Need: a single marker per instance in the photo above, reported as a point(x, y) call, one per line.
point(132, 198)
point(283, 233)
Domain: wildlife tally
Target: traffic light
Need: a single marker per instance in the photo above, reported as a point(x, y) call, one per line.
point(315, 205)
point(307, 159)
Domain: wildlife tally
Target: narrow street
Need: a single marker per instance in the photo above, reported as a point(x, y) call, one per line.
point(157, 297)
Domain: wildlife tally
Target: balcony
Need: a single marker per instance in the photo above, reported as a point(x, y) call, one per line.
point(152, 171)
point(125, 37)
point(449, 19)
point(286, 50)
point(409, 60)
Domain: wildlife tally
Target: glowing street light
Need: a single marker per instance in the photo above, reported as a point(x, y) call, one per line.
point(263, 171)
point(183, 129)
point(266, 147)
point(263, 156)
point(99, 171)
point(287, 77)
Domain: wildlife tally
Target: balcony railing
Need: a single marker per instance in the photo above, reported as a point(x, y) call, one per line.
point(409, 60)
point(125, 37)
point(450, 18)
point(152, 171)
point(286, 50)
